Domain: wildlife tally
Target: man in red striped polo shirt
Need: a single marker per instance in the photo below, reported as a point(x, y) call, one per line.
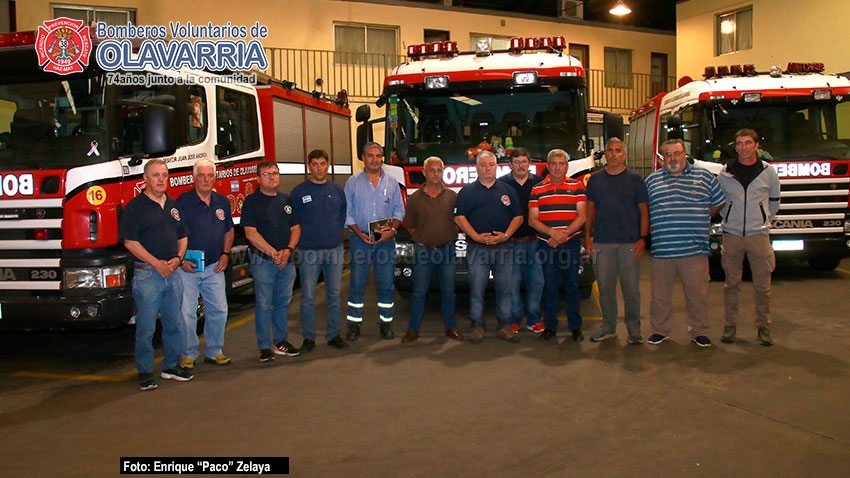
point(556, 211)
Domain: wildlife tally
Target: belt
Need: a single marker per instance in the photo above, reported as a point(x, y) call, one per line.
point(501, 244)
point(142, 265)
point(432, 247)
point(524, 239)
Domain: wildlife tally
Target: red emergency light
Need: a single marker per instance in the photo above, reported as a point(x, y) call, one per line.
point(518, 44)
point(17, 39)
point(722, 70)
point(436, 48)
point(794, 67)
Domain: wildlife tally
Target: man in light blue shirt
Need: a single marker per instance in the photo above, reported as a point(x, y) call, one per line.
point(374, 213)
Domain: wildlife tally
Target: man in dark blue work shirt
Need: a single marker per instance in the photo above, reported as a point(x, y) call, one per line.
point(207, 214)
point(271, 226)
point(154, 233)
point(488, 212)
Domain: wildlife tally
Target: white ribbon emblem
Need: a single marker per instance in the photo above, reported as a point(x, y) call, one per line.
point(93, 149)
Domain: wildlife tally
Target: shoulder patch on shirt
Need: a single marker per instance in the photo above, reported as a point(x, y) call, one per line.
point(306, 199)
point(219, 213)
point(175, 213)
point(506, 200)
point(287, 209)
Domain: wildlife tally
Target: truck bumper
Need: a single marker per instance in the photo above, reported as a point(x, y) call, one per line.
point(65, 313)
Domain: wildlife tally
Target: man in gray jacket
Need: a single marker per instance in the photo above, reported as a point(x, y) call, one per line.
point(752, 192)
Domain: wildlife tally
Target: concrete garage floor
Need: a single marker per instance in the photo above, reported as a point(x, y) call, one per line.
point(438, 408)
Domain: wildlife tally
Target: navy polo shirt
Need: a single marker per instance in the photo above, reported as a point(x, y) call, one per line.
point(272, 216)
point(488, 209)
point(523, 192)
point(207, 224)
point(156, 228)
point(616, 199)
point(321, 210)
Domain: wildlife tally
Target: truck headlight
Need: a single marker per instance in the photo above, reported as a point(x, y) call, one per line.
point(95, 277)
point(404, 250)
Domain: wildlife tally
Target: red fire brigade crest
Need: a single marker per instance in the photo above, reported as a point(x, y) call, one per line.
point(64, 46)
point(219, 213)
point(506, 200)
point(175, 213)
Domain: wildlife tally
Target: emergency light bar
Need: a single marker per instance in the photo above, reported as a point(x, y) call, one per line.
point(449, 49)
point(804, 68)
point(17, 39)
point(734, 70)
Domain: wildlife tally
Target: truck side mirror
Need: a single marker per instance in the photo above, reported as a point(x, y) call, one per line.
point(158, 127)
point(363, 113)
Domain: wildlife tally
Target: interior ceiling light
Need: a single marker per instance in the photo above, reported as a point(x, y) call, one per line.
point(620, 8)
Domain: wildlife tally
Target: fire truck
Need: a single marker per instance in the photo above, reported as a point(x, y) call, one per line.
point(72, 153)
point(803, 118)
point(450, 104)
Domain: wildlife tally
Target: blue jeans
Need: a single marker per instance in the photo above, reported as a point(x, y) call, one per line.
point(613, 262)
point(212, 288)
point(310, 263)
point(528, 271)
point(427, 262)
point(363, 257)
point(560, 267)
point(272, 292)
point(155, 294)
point(480, 261)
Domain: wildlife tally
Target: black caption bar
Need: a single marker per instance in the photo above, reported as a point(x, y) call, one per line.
point(260, 465)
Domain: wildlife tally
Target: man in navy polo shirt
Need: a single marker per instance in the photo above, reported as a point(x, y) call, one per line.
point(153, 231)
point(207, 214)
point(488, 212)
point(321, 209)
point(271, 226)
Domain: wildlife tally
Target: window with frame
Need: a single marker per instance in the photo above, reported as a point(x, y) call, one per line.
point(734, 31)
point(618, 68)
point(110, 16)
point(236, 115)
point(366, 45)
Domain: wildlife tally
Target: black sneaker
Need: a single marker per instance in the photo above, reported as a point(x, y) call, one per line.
point(353, 332)
point(285, 348)
point(338, 343)
point(764, 337)
point(656, 339)
point(146, 382)
point(177, 373)
point(578, 335)
point(547, 334)
point(308, 345)
point(702, 341)
point(266, 355)
point(387, 331)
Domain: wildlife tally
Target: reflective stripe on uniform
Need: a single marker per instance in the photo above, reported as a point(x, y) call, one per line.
point(385, 319)
point(351, 318)
point(356, 305)
point(383, 305)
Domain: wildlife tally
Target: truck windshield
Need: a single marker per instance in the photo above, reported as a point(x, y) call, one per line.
point(456, 126)
point(791, 130)
point(58, 123)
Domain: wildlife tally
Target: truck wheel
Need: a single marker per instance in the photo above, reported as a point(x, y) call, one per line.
point(824, 264)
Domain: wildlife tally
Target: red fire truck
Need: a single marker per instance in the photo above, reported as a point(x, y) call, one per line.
point(451, 104)
point(72, 152)
point(803, 118)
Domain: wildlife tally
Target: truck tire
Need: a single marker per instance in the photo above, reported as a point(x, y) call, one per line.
point(824, 264)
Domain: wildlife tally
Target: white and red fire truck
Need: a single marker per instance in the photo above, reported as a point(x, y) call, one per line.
point(451, 104)
point(803, 118)
point(72, 152)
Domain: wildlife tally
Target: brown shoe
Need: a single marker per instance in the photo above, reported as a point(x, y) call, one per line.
point(454, 334)
point(409, 336)
point(477, 335)
point(507, 334)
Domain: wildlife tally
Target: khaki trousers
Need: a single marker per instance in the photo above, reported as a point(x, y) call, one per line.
point(693, 271)
point(759, 253)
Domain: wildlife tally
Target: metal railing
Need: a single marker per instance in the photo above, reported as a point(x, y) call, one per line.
point(362, 76)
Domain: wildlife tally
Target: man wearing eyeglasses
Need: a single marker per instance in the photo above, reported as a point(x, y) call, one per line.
point(682, 199)
point(527, 269)
point(272, 229)
point(752, 187)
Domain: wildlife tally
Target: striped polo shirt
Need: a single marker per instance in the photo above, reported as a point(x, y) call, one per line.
point(679, 211)
point(557, 203)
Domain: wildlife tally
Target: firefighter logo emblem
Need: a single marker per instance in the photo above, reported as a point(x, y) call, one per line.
point(64, 46)
point(506, 200)
point(175, 214)
point(219, 213)
point(287, 209)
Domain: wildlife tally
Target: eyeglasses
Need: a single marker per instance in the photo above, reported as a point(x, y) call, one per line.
point(270, 174)
point(676, 154)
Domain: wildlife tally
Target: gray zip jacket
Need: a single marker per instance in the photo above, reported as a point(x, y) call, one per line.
point(750, 211)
